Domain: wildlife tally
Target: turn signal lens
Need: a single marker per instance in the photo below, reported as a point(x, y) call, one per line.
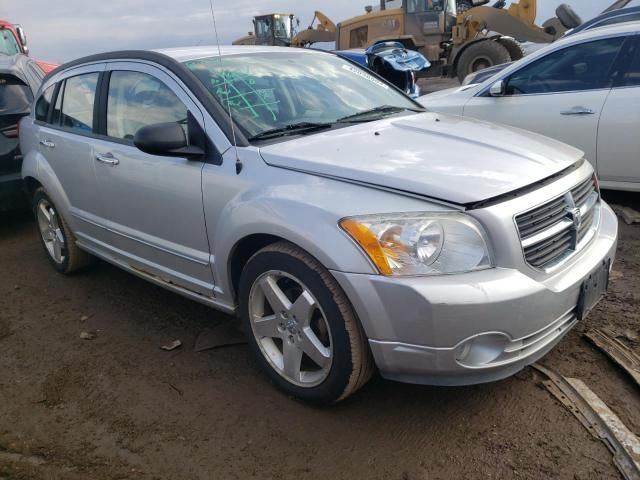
point(369, 243)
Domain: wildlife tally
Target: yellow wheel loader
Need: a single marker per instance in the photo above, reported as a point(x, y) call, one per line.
point(455, 43)
point(278, 29)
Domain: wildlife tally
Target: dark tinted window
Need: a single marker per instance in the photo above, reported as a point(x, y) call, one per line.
point(43, 104)
point(136, 100)
point(631, 17)
point(631, 76)
point(15, 95)
point(57, 109)
point(579, 67)
point(78, 100)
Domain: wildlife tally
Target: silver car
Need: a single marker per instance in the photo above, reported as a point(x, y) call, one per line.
point(346, 226)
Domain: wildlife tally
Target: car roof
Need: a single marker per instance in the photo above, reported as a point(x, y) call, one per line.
point(16, 65)
point(185, 54)
point(595, 21)
point(606, 30)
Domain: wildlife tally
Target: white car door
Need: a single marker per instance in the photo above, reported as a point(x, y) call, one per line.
point(560, 95)
point(618, 141)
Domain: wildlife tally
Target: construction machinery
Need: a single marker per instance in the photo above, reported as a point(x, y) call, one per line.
point(280, 29)
point(455, 43)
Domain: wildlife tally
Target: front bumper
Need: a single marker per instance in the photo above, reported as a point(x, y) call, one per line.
point(475, 327)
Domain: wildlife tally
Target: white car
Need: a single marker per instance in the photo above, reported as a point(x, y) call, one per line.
point(583, 90)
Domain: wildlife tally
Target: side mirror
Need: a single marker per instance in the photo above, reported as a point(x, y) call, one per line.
point(166, 139)
point(498, 89)
point(23, 39)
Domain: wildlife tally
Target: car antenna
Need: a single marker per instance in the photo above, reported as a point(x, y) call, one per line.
point(226, 91)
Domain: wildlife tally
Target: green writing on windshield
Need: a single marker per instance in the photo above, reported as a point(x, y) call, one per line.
point(245, 92)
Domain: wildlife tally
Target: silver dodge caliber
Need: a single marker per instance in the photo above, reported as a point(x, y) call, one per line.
point(346, 226)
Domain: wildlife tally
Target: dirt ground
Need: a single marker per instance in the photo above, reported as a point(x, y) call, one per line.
point(119, 407)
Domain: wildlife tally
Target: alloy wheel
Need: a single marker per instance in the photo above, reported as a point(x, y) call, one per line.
point(290, 328)
point(51, 231)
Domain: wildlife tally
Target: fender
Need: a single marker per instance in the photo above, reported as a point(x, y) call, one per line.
point(277, 212)
point(36, 166)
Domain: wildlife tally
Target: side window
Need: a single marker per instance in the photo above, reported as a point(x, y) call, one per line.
point(631, 77)
point(578, 67)
point(138, 99)
point(77, 102)
point(43, 104)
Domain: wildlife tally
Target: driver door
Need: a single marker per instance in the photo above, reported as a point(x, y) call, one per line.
point(560, 95)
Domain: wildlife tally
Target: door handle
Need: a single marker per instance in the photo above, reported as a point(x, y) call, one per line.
point(107, 159)
point(47, 143)
point(579, 110)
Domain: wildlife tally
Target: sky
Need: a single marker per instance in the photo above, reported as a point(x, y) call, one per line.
point(61, 30)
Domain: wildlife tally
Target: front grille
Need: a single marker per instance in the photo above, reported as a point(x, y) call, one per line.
point(555, 230)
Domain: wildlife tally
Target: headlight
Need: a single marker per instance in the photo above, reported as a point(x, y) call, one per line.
point(421, 243)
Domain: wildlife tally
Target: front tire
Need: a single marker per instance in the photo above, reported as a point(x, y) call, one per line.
point(481, 55)
point(56, 237)
point(301, 326)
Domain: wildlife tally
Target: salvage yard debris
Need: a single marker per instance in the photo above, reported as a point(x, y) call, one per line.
point(628, 214)
point(617, 351)
point(225, 334)
point(598, 419)
point(172, 346)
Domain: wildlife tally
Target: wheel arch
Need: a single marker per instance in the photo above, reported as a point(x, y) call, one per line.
point(243, 229)
point(37, 172)
point(242, 251)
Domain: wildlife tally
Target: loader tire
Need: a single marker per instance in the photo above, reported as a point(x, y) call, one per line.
point(515, 49)
point(481, 55)
point(568, 17)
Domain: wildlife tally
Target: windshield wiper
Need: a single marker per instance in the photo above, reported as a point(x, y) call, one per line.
point(291, 129)
point(376, 113)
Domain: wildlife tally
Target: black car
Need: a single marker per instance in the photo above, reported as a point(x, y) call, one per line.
point(20, 78)
point(622, 15)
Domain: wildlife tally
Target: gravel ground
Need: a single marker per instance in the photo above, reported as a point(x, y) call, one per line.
point(119, 407)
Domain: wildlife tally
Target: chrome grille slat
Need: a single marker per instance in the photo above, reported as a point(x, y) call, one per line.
point(582, 191)
point(551, 232)
point(535, 225)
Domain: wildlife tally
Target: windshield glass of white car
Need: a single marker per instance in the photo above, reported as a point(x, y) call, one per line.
point(272, 91)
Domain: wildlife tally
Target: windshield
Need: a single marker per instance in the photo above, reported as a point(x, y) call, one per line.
point(419, 6)
point(267, 91)
point(280, 25)
point(8, 43)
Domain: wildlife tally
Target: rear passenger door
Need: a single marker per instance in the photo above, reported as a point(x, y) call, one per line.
point(153, 204)
point(65, 136)
point(618, 139)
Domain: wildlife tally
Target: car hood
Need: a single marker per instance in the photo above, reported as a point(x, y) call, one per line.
point(430, 154)
point(465, 91)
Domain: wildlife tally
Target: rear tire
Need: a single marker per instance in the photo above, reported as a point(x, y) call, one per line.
point(56, 237)
point(481, 55)
point(301, 326)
